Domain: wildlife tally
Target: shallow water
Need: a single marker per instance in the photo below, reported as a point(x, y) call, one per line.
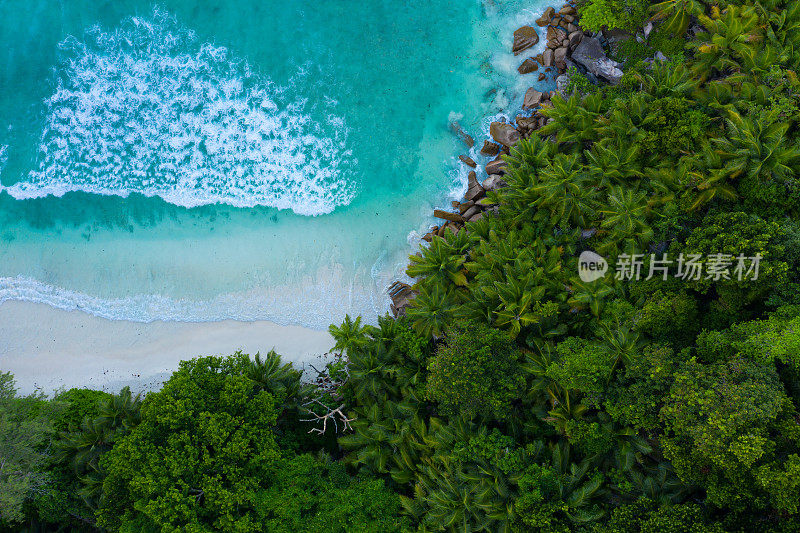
point(251, 160)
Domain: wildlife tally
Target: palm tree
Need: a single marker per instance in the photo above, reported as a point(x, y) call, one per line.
point(706, 177)
point(432, 309)
point(665, 80)
point(625, 219)
point(81, 448)
point(659, 484)
point(621, 341)
point(566, 193)
point(574, 120)
point(613, 164)
point(728, 37)
point(678, 14)
point(280, 380)
point(758, 148)
point(526, 159)
point(441, 262)
point(350, 335)
point(589, 295)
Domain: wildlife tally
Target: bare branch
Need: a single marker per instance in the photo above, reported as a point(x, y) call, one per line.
point(334, 415)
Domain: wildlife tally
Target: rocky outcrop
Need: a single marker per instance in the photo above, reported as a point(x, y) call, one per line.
point(546, 17)
point(447, 215)
point(591, 56)
point(468, 161)
point(474, 190)
point(560, 58)
point(456, 128)
point(490, 149)
point(565, 40)
point(401, 295)
point(524, 38)
point(575, 39)
point(562, 82)
point(528, 66)
point(547, 57)
point(532, 98)
point(504, 134)
point(498, 166)
point(471, 212)
point(493, 182)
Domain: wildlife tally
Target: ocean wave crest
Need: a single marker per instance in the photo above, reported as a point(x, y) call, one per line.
point(149, 109)
point(315, 302)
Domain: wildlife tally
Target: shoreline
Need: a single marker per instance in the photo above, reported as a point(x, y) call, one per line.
point(48, 349)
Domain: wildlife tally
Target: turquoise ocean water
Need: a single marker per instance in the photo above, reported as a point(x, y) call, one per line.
point(204, 160)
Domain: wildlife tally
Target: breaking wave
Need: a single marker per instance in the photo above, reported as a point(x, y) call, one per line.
point(149, 109)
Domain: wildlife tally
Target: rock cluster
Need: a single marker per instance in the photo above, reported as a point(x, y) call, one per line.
point(563, 36)
point(567, 45)
point(591, 56)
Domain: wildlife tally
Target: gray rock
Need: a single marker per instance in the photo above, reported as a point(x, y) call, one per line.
point(493, 182)
point(524, 38)
point(474, 193)
point(458, 130)
point(490, 149)
point(526, 124)
point(647, 29)
point(560, 56)
point(562, 82)
point(474, 189)
point(467, 161)
point(472, 179)
point(504, 134)
point(472, 211)
point(590, 54)
point(532, 98)
point(660, 56)
point(547, 57)
point(528, 66)
point(546, 17)
point(447, 215)
point(575, 39)
point(498, 166)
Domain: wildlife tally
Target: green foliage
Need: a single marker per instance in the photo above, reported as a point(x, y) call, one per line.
point(645, 516)
point(642, 387)
point(578, 83)
point(622, 14)
point(78, 404)
point(669, 317)
point(582, 365)
point(674, 125)
point(199, 455)
point(308, 494)
point(475, 371)
point(26, 426)
point(736, 234)
point(727, 432)
point(515, 396)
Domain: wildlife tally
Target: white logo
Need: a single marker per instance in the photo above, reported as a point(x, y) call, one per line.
point(591, 266)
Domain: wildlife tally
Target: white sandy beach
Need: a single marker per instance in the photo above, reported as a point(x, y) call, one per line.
point(47, 348)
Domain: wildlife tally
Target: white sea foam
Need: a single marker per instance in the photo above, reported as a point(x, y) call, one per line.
point(316, 302)
point(3, 160)
point(149, 109)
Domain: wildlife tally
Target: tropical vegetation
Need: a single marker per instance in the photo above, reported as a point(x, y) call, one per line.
point(513, 395)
